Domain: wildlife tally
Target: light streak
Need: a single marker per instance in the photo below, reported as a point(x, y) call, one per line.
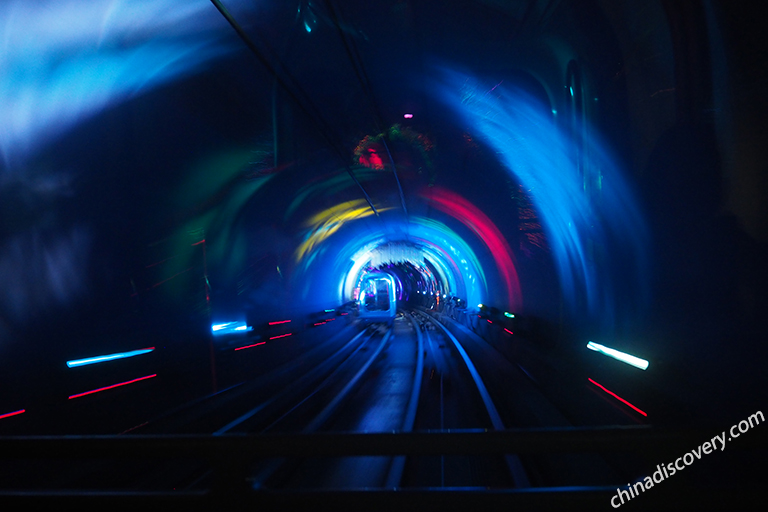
point(249, 346)
point(66, 61)
point(109, 357)
point(112, 386)
point(616, 396)
point(618, 355)
point(229, 327)
point(14, 413)
point(526, 138)
point(472, 217)
point(280, 336)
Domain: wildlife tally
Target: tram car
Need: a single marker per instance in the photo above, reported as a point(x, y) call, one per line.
point(377, 301)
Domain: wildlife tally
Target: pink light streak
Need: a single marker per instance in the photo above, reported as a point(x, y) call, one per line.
point(14, 413)
point(472, 217)
point(279, 322)
point(249, 346)
point(616, 396)
point(281, 336)
point(112, 386)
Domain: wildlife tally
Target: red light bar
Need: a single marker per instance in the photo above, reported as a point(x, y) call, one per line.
point(616, 396)
point(249, 346)
point(320, 323)
point(281, 336)
point(280, 322)
point(112, 386)
point(14, 413)
point(510, 332)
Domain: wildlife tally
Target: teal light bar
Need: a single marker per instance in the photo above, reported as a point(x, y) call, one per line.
point(621, 356)
point(510, 315)
point(108, 357)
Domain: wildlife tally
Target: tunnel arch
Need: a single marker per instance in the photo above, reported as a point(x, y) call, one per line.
point(133, 176)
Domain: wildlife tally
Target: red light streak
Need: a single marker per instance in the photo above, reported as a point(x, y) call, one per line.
point(510, 332)
point(112, 386)
point(616, 396)
point(472, 217)
point(14, 413)
point(320, 323)
point(280, 322)
point(488, 321)
point(249, 346)
point(281, 336)
point(344, 314)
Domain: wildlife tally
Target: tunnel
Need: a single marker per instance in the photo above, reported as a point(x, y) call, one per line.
point(195, 195)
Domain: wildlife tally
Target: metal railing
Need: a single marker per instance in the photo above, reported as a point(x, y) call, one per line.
point(231, 458)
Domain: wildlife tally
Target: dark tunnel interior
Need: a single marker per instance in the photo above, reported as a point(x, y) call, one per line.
point(183, 180)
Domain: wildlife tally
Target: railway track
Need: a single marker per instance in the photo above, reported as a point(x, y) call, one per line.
point(411, 376)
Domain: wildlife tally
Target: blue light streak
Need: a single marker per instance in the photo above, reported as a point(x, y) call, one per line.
point(229, 328)
point(109, 357)
point(528, 141)
point(64, 61)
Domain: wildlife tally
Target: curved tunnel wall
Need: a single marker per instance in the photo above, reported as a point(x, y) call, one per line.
point(106, 203)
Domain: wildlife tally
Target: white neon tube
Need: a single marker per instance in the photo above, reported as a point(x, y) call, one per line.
point(620, 356)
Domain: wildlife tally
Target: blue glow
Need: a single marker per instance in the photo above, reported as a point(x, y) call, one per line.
point(619, 356)
point(527, 140)
point(429, 240)
point(109, 357)
point(66, 60)
point(230, 327)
